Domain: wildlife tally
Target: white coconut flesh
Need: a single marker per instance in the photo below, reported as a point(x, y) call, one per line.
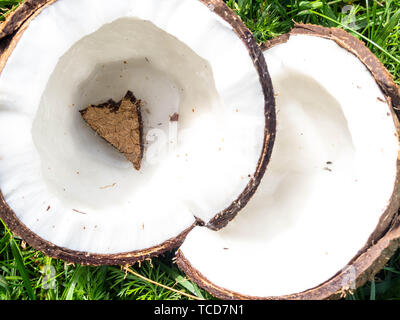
point(72, 188)
point(331, 177)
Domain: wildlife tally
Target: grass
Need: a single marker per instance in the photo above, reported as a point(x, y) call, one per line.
point(28, 274)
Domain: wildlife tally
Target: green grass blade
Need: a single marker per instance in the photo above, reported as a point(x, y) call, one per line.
point(372, 294)
point(22, 270)
point(360, 35)
point(8, 3)
point(183, 281)
point(188, 285)
point(389, 27)
point(3, 284)
point(69, 290)
point(391, 270)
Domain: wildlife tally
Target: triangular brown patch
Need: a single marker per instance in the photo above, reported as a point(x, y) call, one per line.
point(120, 124)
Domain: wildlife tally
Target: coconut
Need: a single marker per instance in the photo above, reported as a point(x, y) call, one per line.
point(200, 139)
point(324, 219)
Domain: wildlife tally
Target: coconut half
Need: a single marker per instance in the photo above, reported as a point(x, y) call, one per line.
point(325, 217)
point(72, 195)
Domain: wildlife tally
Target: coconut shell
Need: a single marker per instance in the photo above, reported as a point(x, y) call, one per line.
point(15, 24)
point(14, 21)
point(10, 33)
point(385, 239)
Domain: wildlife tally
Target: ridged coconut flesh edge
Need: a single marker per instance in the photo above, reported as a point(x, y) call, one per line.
point(384, 240)
point(11, 31)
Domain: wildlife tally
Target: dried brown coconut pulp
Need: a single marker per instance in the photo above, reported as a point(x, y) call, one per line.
point(120, 124)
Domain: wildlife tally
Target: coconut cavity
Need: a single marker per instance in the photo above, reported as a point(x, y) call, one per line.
point(202, 137)
point(330, 179)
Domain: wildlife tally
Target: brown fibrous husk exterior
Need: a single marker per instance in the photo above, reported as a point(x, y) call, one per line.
point(385, 239)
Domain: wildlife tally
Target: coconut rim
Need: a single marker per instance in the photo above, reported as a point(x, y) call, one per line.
point(10, 32)
point(385, 239)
